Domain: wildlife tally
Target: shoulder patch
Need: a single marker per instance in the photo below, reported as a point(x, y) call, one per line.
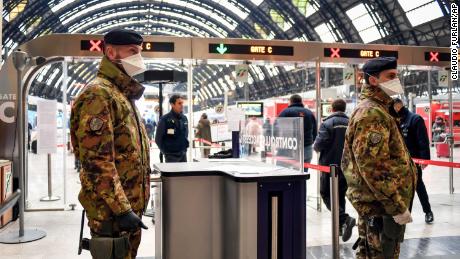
point(96, 124)
point(375, 138)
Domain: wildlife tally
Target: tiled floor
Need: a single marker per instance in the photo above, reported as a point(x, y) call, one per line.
point(62, 227)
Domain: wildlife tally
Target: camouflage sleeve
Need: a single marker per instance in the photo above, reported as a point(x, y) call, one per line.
point(376, 167)
point(95, 136)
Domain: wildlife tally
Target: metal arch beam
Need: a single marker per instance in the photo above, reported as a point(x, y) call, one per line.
point(264, 20)
point(303, 25)
point(127, 4)
point(331, 14)
point(35, 8)
point(444, 5)
point(192, 25)
point(426, 33)
point(191, 21)
point(383, 7)
point(197, 19)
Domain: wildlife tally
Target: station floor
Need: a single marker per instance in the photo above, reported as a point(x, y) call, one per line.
point(62, 225)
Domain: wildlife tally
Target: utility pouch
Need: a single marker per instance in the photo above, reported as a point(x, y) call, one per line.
point(390, 236)
point(375, 224)
point(109, 247)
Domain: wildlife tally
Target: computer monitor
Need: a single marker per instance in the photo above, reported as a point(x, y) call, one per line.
point(252, 109)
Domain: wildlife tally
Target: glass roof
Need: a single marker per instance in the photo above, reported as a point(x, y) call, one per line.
point(364, 23)
point(421, 11)
point(325, 33)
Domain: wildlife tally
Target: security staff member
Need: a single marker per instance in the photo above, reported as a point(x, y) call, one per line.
point(172, 132)
point(380, 173)
point(329, 143)
point(416, 138)
point(112, 144)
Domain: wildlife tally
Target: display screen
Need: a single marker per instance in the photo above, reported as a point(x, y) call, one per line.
point(97, 45)
point(358, 53)
point(434, 56)
point(251, 49)
point(252, 109)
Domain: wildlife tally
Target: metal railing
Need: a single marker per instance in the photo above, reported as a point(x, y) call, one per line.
point(10, 202)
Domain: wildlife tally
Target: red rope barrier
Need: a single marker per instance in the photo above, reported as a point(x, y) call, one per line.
point(436, 163)
point(207, 142)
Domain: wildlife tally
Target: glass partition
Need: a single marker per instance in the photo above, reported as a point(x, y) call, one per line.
point(279, 143)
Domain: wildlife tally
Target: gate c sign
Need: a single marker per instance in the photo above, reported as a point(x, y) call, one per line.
point(7, 104)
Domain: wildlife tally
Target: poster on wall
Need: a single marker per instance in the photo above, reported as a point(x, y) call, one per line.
point(46, 126)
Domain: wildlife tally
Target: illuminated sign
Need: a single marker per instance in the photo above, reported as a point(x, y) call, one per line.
point(251, 49)
point(358, 53)
point(434, 56)
point(97, 45)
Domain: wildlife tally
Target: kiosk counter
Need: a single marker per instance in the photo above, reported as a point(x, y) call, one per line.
point(230, 210)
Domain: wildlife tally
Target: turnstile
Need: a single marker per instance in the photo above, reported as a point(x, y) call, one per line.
point(230, 210)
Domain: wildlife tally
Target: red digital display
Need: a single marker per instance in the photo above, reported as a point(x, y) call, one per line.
point(358, 53)
point(434, 56)
point(97, 45)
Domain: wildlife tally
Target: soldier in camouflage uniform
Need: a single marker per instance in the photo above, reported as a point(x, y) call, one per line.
point(380, 173)
point(112, 144)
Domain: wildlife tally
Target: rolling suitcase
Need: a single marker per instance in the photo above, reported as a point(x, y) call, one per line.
point(442, 150)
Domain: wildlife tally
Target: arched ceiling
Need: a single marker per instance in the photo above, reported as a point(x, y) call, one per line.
point(405, 22)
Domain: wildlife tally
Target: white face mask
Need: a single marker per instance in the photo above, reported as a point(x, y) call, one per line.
point(392, 87)
point(133, 65)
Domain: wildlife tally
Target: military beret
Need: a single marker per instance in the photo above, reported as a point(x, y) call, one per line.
point(377, 65)
point(122, 37)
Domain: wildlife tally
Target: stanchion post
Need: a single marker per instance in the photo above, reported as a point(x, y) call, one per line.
point(50, 187)
point(50, 196)
point(318, 118)
point(335, 211)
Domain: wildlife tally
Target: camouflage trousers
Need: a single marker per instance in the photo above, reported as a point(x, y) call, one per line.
point(370, 246)
point(134, 242)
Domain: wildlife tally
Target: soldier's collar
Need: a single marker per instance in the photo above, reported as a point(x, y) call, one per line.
point(126, 84)
point(376, 94)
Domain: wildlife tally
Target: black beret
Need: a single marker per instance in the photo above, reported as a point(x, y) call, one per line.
point(122, 37)
point(377, 65)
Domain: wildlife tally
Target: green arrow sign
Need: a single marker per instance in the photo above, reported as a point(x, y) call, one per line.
point(222, 49)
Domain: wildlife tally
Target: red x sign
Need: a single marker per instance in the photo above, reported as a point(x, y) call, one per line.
point(434, 56)
point(335, 53)
point(95, 45)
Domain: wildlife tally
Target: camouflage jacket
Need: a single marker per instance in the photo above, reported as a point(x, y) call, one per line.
point(110, 140)
point(380, 173)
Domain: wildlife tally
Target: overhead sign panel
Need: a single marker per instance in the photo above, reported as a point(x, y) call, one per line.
point(358, 53)
point(434, 56)
point(243, 49)
point(148, 46)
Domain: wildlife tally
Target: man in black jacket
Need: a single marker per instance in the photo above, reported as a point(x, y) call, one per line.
point(416, 138)
point(172, 132)
point(296, 109)
point(329, 143)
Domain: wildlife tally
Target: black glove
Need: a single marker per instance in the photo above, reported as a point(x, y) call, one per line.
point(129, 221)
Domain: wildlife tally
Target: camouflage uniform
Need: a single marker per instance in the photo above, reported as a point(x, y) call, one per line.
point(112, 144)
point(380, 173)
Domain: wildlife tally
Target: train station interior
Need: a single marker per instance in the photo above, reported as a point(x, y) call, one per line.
point(251, 182)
